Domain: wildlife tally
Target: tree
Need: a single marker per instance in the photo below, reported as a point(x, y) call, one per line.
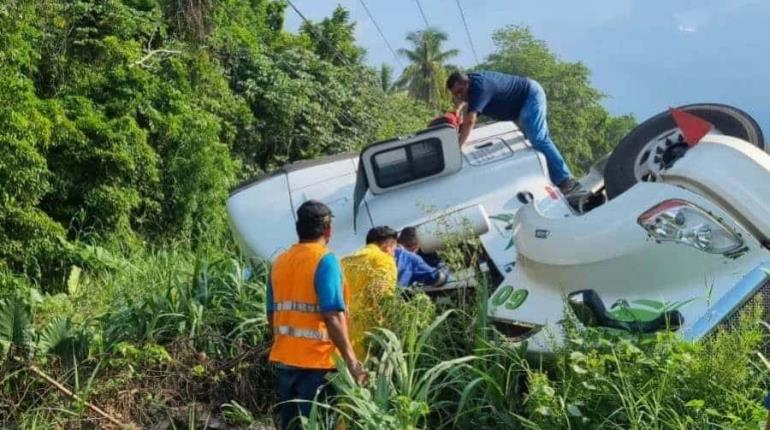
point(582, 129)
point(101, 138)
point(424, 78)
point(333, 39)
point(386, 77)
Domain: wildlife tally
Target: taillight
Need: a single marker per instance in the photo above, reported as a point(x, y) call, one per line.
point(682, 222)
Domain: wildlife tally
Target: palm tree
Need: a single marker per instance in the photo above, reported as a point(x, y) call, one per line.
point(386, 77)
point(424, 77)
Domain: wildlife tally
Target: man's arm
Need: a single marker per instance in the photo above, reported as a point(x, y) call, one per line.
point(465, 129)
point(426, 274)
point(337, 326)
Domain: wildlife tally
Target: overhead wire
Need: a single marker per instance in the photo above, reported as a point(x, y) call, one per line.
point(334, 49)
point(344, 61)
point(467, 31)
point(422, 13)
point(382, 34)
point(329, 45)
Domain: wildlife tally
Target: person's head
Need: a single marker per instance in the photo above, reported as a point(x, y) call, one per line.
point(449, 118)
point(384, 237)
point(314, 221)
point(457, 83)
point(408, 239)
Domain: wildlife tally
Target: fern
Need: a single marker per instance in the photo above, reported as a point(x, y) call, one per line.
point(59, 338)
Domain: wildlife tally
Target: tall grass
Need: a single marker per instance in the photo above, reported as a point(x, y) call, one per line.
point(159, 336)
point(406, 386)
point(599, 380)
point(157, 329)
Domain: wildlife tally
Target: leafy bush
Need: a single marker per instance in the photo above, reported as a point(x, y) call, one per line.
point(405, 387)
point(611, 380)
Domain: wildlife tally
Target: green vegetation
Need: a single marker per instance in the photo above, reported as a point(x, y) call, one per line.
point(127, 121)
point(580, 126)
point(425, 76)
point(124, 124)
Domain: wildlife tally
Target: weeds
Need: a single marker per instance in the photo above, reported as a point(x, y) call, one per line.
point(177, 338)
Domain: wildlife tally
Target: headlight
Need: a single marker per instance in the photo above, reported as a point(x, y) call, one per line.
point(682, 222)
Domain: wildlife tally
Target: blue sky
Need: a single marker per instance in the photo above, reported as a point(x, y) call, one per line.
point(645, 55)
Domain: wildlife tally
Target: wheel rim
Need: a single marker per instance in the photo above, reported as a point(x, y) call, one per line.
point(660, 153)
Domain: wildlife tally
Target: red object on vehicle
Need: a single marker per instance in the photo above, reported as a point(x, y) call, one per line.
point(551, 192)
point(693, 127)
point(450, 118)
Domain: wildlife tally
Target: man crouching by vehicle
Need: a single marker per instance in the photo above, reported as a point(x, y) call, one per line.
point(306, 308)
point(371, 273)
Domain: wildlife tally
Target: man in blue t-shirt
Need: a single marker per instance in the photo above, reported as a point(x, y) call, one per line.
point(505, 97)
point(412, 268)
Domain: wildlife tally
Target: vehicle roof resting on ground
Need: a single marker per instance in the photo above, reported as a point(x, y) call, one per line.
point(681, 243)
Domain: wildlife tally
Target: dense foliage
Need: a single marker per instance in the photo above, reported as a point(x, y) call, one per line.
point(129, 120)
point(125, 122)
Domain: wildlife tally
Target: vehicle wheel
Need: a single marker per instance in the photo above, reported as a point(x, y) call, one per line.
point(657, 143)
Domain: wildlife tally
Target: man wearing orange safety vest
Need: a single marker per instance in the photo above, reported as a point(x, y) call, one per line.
point(306, 305)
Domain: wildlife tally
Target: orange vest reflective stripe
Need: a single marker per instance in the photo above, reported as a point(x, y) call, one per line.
point(300, 335)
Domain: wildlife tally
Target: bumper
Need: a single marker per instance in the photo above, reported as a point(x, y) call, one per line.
point(607, 251)
point(727, 309)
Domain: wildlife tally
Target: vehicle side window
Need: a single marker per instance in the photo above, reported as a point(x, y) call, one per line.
point(408, 163)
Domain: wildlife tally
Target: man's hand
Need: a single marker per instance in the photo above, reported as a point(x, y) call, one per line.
point(459, 106)
point(359, 372)
point(337, 326)
point(465, 129)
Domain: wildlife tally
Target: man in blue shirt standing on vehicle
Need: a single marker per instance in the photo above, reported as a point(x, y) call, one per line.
point(505, 97)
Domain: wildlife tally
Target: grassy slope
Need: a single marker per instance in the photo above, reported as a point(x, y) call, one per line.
point(178, 336)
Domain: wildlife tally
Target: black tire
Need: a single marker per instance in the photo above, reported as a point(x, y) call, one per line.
point(619, 173)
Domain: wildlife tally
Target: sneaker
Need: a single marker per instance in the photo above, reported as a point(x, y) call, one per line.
point(574, 193)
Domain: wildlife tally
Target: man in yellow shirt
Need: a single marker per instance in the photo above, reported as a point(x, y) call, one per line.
point(371, 275)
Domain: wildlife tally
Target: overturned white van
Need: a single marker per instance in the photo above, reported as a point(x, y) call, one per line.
point(681, 244)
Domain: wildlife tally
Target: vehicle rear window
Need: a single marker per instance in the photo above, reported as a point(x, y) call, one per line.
point(408, 163)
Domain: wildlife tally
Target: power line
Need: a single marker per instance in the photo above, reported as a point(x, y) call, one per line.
point(333, 48)
point(379, 30)
point(422, 12)
point(338, 56)
point(467, 32)
point(329, 45)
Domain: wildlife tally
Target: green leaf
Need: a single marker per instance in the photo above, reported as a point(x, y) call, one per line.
point(573, 410)
point(60, 338)
point(15, 324)
point(502, 217)
point(695, 404)
point(73, 280)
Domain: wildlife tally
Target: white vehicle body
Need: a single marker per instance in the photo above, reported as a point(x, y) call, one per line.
point(542, 249)
point(607, 250)
point(262, 213)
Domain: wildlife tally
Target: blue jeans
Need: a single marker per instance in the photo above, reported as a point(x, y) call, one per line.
point(299, 384)
point(534, 125)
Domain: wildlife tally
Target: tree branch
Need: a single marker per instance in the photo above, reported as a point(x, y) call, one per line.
point(163, 52)
point(67, 392)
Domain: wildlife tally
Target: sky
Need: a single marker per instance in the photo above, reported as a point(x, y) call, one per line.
point(645, 55)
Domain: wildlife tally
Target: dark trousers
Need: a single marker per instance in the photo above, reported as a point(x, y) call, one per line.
point(299, 384)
